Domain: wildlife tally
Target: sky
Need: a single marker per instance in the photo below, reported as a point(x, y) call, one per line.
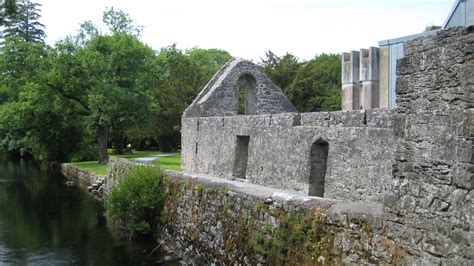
point(248, 28)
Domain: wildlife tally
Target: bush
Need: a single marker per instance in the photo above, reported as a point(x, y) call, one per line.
point(85, 154)
point(137, 201)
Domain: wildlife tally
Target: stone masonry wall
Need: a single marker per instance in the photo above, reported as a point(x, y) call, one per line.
point(215, 220)
point(361, 148)
point(432, 196)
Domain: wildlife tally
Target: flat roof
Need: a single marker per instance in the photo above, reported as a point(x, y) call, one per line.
point(407, 38)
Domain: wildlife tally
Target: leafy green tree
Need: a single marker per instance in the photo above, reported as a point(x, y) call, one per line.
point(178, 84)
point(209, 61)
point(317, 85)
point(281, 70)
point(109, 80)
point(33, 120)
point(120, 22)
point(181, 75)
point(22, 19)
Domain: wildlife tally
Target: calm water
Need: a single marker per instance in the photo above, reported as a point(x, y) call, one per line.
point(45, 222)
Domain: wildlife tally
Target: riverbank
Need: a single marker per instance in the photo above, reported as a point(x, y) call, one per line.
point(152, 249)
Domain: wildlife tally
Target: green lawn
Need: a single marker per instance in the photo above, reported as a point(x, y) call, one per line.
point(172, 162)
point(134, 155)
point(92, 166)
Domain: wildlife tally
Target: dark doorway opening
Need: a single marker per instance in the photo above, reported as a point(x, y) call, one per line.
point(318, 161)
point(241, 156)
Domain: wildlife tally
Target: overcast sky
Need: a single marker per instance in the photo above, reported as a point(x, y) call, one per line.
point(247, 28)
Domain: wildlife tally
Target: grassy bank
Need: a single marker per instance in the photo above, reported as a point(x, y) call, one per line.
point(172, 162)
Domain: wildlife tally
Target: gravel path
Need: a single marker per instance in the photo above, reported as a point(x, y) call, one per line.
point(151, 158)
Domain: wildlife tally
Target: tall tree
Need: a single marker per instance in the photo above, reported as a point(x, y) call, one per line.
point(23, 20)
point(209, 61)
point(7, 9)
point(317, 85)
point(109, 80)
point(281, 70)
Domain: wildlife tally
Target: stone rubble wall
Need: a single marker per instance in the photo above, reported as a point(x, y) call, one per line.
point(361, 150)
point(85, 179)
point(116, 167)
point(432, 194)
point(215, 220)
point(98, 185)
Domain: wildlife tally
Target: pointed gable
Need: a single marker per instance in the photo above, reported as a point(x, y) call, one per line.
point(220, 97)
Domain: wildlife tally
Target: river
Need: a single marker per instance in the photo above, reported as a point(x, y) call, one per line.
point(45, 222)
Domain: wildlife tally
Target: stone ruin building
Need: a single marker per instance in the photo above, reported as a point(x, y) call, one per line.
point(417, 159)
point(319, 154)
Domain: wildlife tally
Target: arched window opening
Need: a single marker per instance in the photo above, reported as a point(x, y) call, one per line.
point(246, 95)
point(318, 167)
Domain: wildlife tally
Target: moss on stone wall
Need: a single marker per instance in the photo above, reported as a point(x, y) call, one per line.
point(235, 229)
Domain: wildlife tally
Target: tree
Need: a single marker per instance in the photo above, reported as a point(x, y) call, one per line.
point(120, 22)
point(209, 61)
point(317, 85)
point(33, 120)
point(281, 70)
point(22, 19)
point(7, 9)
point(109, 80)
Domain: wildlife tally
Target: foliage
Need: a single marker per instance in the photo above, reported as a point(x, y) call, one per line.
point(281, 70)
point(317, 85)
point(22, 20)
point(33, 119)
point(120, 22)
point(109, 79)
point(294, 238)
point(138, 200)
point(98, 89)
point(88, 153)
point(209, 61)
point(312, 86)
point(180, 78)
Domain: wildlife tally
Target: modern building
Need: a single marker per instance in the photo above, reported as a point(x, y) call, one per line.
point(369, 75)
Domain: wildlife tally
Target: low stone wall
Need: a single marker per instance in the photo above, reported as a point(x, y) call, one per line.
point(216, 220)
point(85, 179)
point(98, 185)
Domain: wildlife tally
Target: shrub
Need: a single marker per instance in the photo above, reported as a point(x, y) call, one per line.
point(85, 154)
point(137, 201)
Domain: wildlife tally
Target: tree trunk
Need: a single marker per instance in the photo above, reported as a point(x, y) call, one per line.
point(119, 145)
point(103, 141)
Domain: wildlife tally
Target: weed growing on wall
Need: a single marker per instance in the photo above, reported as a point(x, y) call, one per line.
point(137, 201)
point(293, 238)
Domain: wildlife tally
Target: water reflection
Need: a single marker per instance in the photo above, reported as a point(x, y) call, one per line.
point(43, 221)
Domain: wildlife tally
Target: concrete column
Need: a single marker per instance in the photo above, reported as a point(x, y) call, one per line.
point(350, 80)
point(384, 77)
point(369, 78)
